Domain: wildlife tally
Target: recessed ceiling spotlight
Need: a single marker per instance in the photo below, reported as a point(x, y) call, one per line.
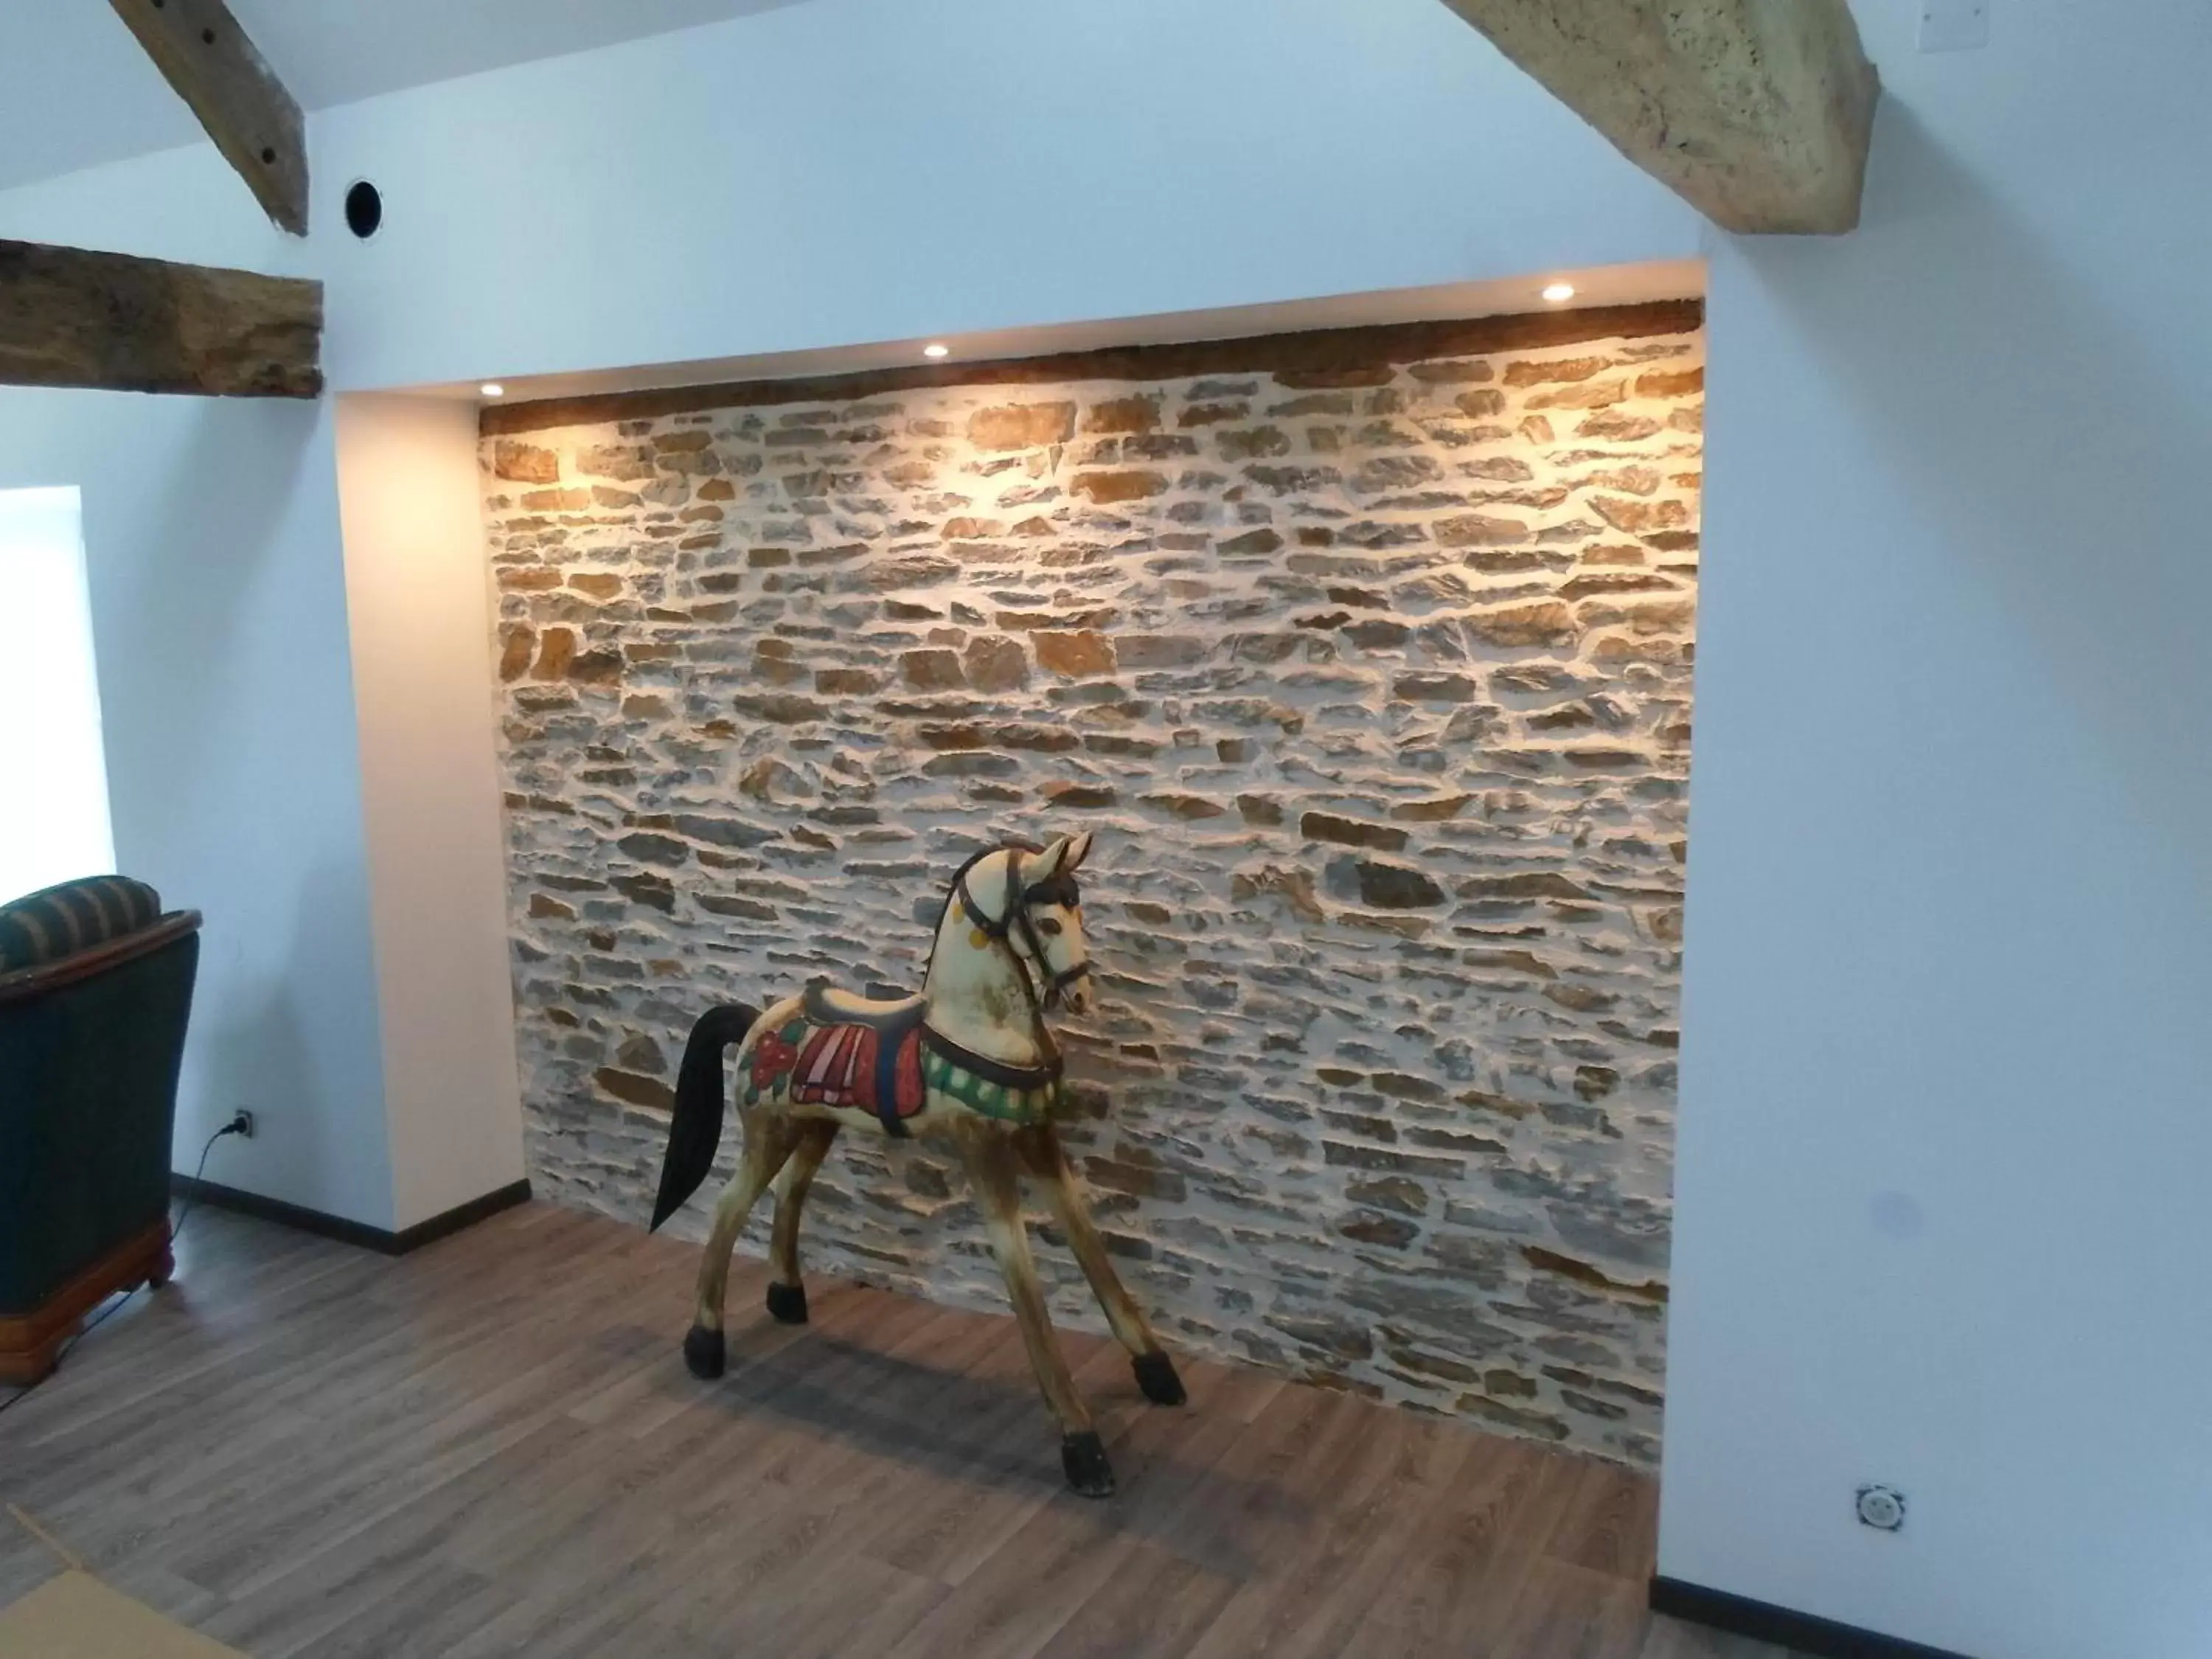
point(492, 389)
point(937, 349)
point(1559, 293)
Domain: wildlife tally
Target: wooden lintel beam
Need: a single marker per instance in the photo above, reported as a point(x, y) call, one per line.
point(1362, 356)
point(109, 320)
point(200, 47)
point(1758, 113)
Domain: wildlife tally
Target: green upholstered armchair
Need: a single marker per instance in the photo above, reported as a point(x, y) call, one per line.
point(95, 987)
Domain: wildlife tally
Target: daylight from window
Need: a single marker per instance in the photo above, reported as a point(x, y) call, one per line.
point(53, 773)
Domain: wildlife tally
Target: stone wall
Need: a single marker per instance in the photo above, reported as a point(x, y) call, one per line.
point(1374, 681)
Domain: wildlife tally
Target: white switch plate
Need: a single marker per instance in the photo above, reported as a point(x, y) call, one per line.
point(1953, 25)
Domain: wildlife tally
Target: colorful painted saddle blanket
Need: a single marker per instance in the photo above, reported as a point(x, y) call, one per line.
point(888, 1064)
point(857, 1065)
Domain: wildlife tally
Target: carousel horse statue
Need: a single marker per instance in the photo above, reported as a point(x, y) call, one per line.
point(970, 1061)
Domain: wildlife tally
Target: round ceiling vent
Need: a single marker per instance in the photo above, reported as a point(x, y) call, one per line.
point(364, 208)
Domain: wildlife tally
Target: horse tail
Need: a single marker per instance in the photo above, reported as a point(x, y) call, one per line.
point(695, 1132)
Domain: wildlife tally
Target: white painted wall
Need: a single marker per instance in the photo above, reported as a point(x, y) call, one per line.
point(218, 610)
point(290, 751)
point(419, 605)
point(219, 623)
point(1945, 1128)
point(858, 170)
point(843, 171)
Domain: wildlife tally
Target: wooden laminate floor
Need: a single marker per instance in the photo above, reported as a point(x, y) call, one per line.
point(492, 1447)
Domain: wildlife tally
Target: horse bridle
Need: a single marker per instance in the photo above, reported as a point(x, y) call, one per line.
point(1057, 889)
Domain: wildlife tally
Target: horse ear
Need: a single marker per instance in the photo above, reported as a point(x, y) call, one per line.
point(1052, 861)
point(1079, 849)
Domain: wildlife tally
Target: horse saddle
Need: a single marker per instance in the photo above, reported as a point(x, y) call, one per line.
point(861, 1051)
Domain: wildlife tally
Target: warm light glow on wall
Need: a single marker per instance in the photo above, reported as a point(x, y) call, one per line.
point(492, 389)
point(1559, 293)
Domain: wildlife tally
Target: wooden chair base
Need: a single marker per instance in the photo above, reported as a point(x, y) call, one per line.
point(31, 1343)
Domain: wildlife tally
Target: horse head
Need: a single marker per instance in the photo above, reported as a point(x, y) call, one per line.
point(1025, 902)
point(1051, 908)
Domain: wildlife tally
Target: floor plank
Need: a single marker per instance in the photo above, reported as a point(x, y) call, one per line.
point(491, 1447)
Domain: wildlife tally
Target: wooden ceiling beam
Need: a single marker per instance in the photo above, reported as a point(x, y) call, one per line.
point(1758, 113)
point(200, 49)
point(120, 323)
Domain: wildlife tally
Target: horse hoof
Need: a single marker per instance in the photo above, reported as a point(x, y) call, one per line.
point(1156, 1375)
point(787, 1303)
point(703, 1353)
point(1083, 1457)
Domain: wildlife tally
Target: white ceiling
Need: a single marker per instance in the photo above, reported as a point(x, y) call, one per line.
point(75, 90)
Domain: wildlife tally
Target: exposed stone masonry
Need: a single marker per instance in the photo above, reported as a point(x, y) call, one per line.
point(1374, 683)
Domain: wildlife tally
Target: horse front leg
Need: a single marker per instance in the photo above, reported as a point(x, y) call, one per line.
point(1156, 1373)
point(768, 1141)
point(993, 1167)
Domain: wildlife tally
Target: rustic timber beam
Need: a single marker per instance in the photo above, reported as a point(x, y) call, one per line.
point(200, 49)
point(1758, 113)
point(120, 323)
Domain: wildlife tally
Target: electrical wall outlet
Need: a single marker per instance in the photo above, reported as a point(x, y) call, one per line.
point(1954, 24)
point(1882, 1508)
point(242, 1121)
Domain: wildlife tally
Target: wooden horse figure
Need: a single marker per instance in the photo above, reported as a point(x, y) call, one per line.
point(969, 1060)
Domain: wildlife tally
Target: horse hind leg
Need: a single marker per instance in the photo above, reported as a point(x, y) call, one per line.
point(992, 1166)
point(787, 1291)
point(769, 1140)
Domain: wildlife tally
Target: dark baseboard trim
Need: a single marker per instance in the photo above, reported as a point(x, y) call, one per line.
point(459, 1217)
point(379, 1239)
point(1765, 1622)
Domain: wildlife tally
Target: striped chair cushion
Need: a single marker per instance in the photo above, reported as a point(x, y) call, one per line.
point(59, 921)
